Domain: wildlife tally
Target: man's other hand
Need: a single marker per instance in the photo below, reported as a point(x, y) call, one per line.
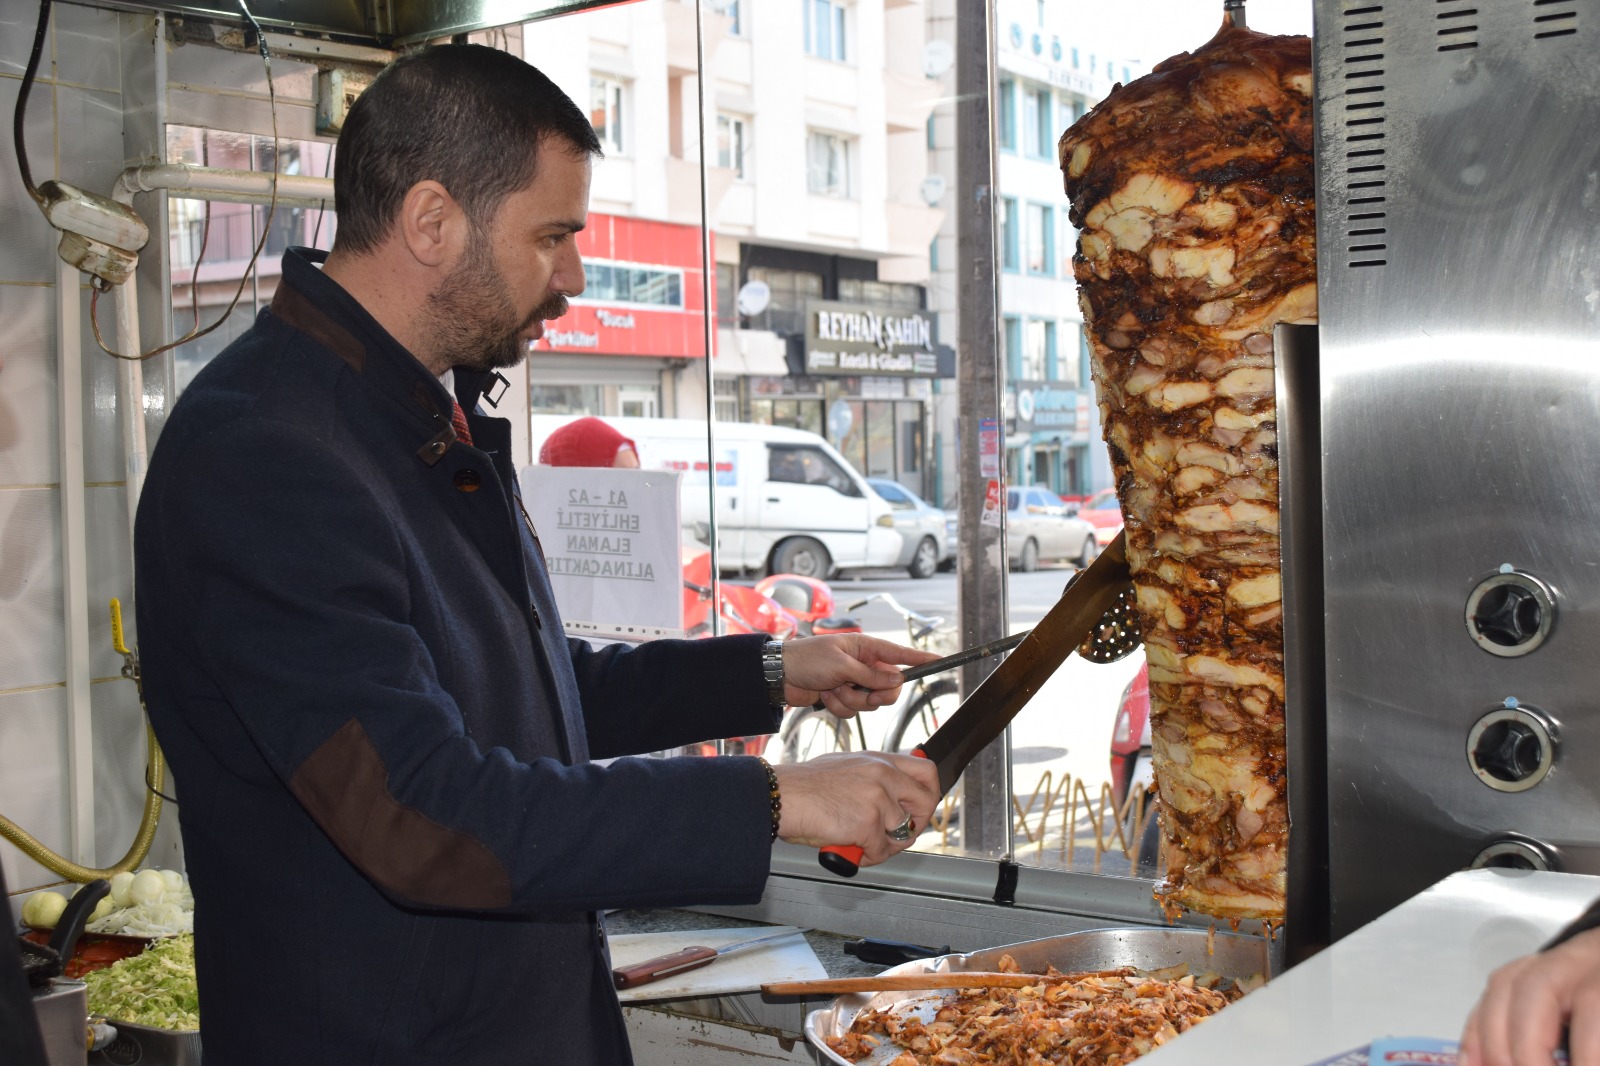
point(856, 798)
point(1518, 1021)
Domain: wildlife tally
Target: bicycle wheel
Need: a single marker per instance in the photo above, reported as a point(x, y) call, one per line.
point(932, 708)
point(809, 732)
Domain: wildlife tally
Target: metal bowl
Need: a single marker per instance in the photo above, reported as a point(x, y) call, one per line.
point(1149, 948)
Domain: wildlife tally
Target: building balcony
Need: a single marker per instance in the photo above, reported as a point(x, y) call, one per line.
point(910, 228)
point(681, 51)
point(908, 101)
point(683, 189)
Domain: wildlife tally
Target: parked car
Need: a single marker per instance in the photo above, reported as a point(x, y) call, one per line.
point(921, 527)
point(1130, 738)
point(1038, 528)
point(787, 502)
point(952, 538)
point(1131, 769)
point(1104, 513)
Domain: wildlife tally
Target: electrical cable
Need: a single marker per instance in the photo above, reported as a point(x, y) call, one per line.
point(266, 228)
point(322, 205)
point(20, 112)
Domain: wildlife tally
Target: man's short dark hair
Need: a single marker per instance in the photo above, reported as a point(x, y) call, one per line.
point(472, 118)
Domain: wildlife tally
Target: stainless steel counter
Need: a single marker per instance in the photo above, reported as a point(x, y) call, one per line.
point(1416, 971)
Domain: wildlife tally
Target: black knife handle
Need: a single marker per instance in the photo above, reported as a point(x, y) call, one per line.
point(891, 952)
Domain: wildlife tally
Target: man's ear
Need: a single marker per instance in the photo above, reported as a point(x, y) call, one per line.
point(431, 224)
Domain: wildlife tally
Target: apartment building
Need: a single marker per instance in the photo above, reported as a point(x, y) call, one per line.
point(820, 221)
point(1049, 72)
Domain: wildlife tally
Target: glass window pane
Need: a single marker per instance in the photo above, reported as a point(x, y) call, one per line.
point(1008, 114)
point(880, 439)
point(1009, 255)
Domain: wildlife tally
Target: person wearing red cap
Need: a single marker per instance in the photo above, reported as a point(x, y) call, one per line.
point(589, 442)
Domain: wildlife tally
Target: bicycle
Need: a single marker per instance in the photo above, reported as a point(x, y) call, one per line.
point(814, 731)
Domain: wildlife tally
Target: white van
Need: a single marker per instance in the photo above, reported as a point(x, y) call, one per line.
point(787, 502)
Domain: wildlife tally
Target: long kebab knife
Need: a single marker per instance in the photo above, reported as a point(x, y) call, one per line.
point(984, 715)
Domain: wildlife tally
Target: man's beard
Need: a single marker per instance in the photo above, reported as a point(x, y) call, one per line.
point(474, 321)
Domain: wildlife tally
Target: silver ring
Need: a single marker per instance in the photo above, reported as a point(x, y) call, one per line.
point(901, 832)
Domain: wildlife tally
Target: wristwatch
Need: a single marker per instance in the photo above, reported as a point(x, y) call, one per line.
point(772, 670)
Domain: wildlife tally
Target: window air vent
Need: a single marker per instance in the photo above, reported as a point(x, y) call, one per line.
point(1365, 168)
point(1458, 26)
point(1554, 18)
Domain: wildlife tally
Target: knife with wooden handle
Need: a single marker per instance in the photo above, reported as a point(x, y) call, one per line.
point(984, 715)
point(690, 958)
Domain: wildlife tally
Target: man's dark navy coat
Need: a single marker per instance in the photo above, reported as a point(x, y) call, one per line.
point(380, 737)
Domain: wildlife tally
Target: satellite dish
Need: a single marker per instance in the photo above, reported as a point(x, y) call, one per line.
point(753, 298)
point(938, 56)
point(933, 187)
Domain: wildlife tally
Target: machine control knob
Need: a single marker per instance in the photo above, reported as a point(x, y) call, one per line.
point(1510, 613)
point(1512, 749)
point(1516, 852)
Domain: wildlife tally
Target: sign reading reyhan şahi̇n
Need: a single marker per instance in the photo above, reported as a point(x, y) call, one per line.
point(610, 540)
point(849, 339)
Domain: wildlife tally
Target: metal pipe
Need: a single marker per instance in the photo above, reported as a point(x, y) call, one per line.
point(1233, 14)
point(225, 186)
point(74, 564)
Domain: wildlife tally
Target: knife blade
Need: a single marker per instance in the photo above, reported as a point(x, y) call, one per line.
point(984, 715)
point(690, 958)
point(962, 658)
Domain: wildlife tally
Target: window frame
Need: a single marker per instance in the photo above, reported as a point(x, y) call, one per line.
point(591, 265)
point(739, 145)
point(1009, 235)
point(827, 38)
point(1037, 141)
point(1011, 342)
point(1006, 115)
point(1047, 239)
point(614, 138)
point(843, 188)
point(1034, 365)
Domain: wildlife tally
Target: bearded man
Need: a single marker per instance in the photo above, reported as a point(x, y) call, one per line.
point(397, 840)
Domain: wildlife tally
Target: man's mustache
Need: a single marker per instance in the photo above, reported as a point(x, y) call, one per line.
point(554, 307)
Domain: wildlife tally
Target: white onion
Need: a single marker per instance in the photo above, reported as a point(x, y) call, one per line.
point(148, 887)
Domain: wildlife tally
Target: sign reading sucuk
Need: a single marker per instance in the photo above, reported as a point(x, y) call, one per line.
point(848, 339)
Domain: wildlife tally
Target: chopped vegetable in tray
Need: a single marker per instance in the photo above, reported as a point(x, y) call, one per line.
point(155, 988)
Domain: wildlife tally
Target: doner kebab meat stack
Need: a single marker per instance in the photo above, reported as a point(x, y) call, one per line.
point(1194, 191)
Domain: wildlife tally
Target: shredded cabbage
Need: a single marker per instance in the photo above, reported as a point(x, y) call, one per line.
point(154, 988)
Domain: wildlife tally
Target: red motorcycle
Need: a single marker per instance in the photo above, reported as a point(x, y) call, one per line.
point(743, 609)
point(782, 605)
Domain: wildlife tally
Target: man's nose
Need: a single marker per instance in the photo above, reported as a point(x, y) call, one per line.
point(569, 278)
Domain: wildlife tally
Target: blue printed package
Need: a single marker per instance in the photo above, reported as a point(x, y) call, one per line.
point(1413, 1051)
point(1353, 1057)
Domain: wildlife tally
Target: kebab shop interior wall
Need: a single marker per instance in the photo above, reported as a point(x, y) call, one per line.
point(89, 112)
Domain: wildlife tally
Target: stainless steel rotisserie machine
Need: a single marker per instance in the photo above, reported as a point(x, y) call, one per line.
point(1459, 392)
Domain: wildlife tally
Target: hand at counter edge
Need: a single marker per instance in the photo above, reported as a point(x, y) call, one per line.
point(1519, 1020)
point(856, 798)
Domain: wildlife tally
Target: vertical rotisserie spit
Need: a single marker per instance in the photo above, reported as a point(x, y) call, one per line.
point(1194, 191)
